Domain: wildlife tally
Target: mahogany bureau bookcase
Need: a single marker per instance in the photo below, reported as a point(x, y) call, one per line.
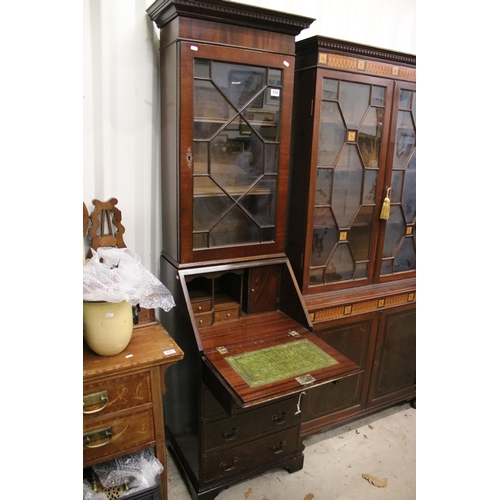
point(234, 405)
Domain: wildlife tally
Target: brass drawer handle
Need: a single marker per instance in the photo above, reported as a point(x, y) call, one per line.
point(276, 450)
point(279, 421)
point(104, 435)
point(93, 399)
point(230, 437)
point(225, 467)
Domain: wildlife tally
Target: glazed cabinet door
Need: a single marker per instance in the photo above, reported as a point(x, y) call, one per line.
point(394, 367)
point(398, 252)
point(234, 152)
point(347, 177)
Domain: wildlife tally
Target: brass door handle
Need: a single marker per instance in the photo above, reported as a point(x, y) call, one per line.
point(101, 437)
point(93, 399)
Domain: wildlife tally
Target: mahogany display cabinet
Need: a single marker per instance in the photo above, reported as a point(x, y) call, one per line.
point(234, 405)
point(354, 148)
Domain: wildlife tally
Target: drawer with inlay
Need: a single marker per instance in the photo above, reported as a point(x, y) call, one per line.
point(105, 437)
point(115, 394)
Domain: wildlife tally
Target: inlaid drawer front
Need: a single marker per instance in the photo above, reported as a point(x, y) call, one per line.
point(109, 396)
point(112, 435)
point(229, 431)
point(248, 455)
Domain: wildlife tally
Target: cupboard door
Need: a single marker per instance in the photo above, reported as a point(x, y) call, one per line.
point(394, 367)
point(352, 131)
point(398, 258)
point(355, 340)
point(235, 142)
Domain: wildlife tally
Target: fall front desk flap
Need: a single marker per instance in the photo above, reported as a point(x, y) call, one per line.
point(288, 362)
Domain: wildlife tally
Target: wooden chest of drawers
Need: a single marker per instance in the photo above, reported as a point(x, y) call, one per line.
point(122, 398)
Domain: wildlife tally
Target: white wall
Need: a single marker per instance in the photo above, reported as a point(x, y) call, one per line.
point(121, 103)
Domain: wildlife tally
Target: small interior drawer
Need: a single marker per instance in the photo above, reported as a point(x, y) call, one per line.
point(107, 436)
point(204, 320)
point(116, 394)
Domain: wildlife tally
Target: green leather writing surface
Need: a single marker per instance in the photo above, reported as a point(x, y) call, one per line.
point(280, 362)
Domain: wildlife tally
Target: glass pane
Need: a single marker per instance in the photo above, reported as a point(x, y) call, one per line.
point(361, 270)
point(323, 186)
point(325, 235)
point(369, 136)
point(405, 140)
point(378, 96)
point(347, 186)
point(394, 232)
point(316, 276)
point(370, 186)
point(332, 133)
point(341, 267)
point(243, 85)
point(397, 185)
point(271, 159)
point(201, 157)
point(405, 99)
point(274, 77)
point(237, 110)
point(409, 196)
point(260, 203)
point(330, 89)
point(405, 259)
point(360, 234)
point(201, 68)
point(209, 203)
point(234, 229)
point(354, 101)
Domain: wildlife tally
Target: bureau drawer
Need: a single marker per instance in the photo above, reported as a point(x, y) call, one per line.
point(113, 395)
point(204, 320)
point(227, 314)
point(201, 306)
point(229, 431)
point(248, 455)
point(106, 436)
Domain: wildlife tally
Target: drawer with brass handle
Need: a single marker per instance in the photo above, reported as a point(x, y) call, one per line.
point(116, 394)
point(106, 437)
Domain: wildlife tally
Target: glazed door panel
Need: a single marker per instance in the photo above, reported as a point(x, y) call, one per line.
point(398, 258)
point(234, 152)
point(351, 136)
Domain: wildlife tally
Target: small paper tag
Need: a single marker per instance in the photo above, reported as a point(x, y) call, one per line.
point(170, 351)
point(110, 315)
point(275, 92)
point(129, 355)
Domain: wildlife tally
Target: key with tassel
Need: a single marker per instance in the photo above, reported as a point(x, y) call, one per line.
point(386, 206)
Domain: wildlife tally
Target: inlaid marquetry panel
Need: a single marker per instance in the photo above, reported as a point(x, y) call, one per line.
point(360, 65)
point(361, 307)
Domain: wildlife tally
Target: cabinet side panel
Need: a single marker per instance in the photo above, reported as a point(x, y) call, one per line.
point(169, 151)
point(182, 379)
point(300, 171)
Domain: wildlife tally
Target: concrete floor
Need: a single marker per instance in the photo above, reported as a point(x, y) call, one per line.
point(383, 445)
